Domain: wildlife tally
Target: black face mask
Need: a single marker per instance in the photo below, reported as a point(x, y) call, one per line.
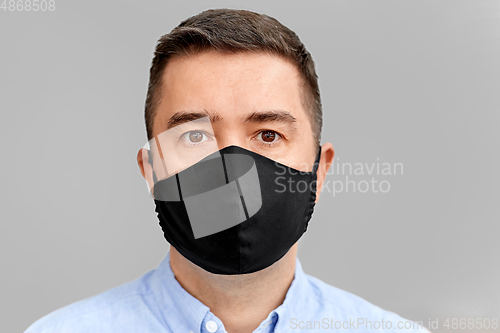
point(235, 211)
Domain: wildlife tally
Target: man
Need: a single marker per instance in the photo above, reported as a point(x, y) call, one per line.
point(233, 117)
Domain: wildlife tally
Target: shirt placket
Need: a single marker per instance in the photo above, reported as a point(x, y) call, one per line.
point(212, 324)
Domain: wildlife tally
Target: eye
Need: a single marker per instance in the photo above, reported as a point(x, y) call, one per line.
point(194, 137)
point(268, 137)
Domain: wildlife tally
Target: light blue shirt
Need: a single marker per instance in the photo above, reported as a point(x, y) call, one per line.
point(157, 303)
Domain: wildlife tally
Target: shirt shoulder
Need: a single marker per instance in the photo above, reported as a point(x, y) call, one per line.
point(117, 309)
point(334, 307)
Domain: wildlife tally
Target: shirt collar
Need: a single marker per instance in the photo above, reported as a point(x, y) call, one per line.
point(294, 298)
point(179, 308)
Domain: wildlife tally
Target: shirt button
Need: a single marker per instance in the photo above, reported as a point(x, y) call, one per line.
point(211, 326)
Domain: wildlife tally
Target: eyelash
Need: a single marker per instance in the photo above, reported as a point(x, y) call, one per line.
point(194, 144)
point(280, 136)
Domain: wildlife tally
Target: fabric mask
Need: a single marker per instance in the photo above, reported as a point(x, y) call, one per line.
point(235, 211)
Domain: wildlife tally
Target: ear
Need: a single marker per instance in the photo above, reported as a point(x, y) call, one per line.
point(325, 162)
point(145, 167)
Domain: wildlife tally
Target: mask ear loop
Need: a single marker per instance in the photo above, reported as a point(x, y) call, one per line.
point(316, 162)
point(150, 161)
point(155, 179)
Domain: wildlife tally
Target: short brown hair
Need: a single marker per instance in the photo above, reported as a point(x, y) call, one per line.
point(232, 31)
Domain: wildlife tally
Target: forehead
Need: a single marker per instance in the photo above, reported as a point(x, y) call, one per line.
point(232, 85)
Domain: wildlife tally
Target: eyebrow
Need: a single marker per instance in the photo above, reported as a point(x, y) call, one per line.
point(182, 117)
point(270, 116)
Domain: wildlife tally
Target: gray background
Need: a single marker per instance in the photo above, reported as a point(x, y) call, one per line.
point(403, 81)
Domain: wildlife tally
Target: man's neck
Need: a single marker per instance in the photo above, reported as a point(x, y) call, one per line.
point(241, 302)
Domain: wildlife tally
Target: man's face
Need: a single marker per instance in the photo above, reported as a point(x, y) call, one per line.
point(253, 100)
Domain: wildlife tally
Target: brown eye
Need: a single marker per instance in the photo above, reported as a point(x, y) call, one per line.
point(195, 136)
point(268, 136)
